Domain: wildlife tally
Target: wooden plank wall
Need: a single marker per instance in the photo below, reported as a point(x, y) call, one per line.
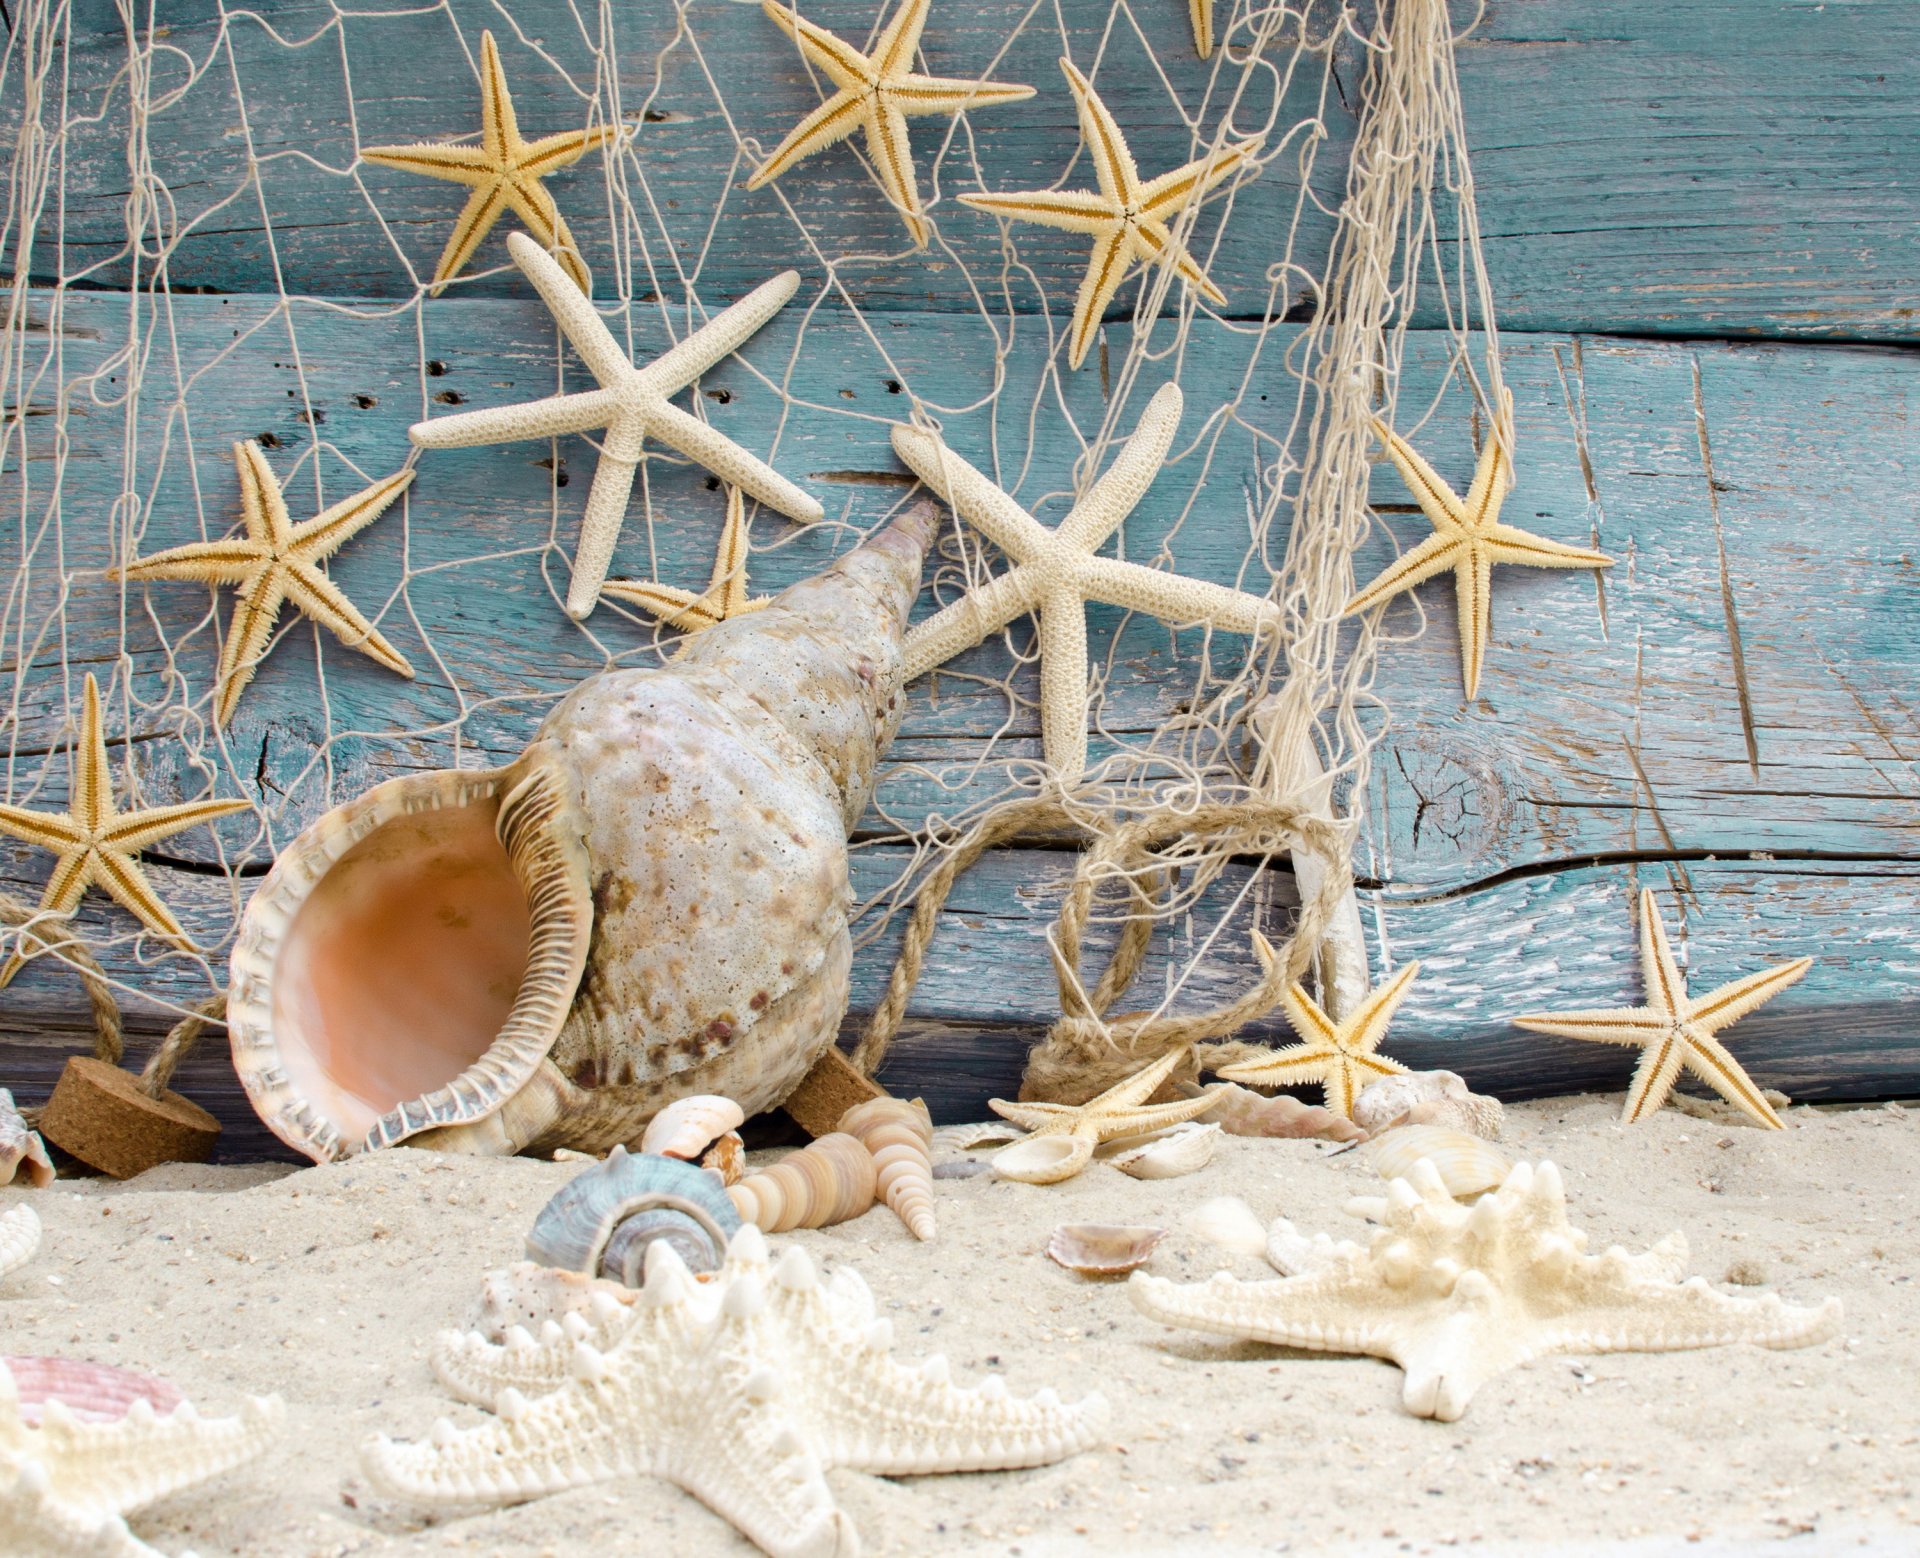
point(1703, 229)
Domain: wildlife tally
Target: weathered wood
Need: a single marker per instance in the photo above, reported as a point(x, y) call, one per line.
point(1727, 167)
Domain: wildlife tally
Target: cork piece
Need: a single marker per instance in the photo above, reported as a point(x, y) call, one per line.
point(828, 1091)
point(99, 1114)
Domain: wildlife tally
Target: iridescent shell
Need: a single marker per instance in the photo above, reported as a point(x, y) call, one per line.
point(1102, 1249)
point(601, 1222)
point(1468, 1166)
point(1185, 1149)
point(92, 1392)
point(1427, 1098)
point(686, 1127)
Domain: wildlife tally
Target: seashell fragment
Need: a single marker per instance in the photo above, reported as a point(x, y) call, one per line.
point(1427, 1098)
point(687, 1126)
point(1240, 1111)
point(19, 1238)
point(21, 1146)
point(727, 1157)
point(899, 1134)
point(1467, 1165)
point(829, 1181)
point(529, 1295)
point(1186, 1149)
point(1102, 1249)
point(600, 1222)
point(92, 1392)
point(1043, 1160)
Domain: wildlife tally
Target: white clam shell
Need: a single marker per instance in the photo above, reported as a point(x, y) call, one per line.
point(1102, 1249)
point(1043, 1160)
point(1185, 1149)
point(1467, 1165)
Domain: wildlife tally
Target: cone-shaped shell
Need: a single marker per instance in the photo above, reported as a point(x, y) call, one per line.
point(829, 1181)
point(651, 903)
point(899, 1134)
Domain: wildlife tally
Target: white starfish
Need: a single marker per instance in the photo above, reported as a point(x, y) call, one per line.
point(740, 1390)
point(1056, 573)
point(1457, 1294)
point(632, 405)
point(19, 1238)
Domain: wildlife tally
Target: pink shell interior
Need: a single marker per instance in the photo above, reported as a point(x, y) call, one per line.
point(93, 1392)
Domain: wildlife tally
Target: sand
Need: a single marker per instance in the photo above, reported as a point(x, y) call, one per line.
point(327, 1284)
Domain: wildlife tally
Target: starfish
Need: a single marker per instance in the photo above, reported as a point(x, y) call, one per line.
point(874, 93)
point(631, 404)
point(1200, 14)
point(66, 1484)
point(96, 843)
point(739, 1390)
point(1457, 1294)
point(19, 1238)
point(1675, 1030)
point(1122, 1110)
point(726, 594)
point(504, 172)
point(1130, 222)
point(1056, 572)
point(1469, 538)
point(1338, 1055)
point(277, 561)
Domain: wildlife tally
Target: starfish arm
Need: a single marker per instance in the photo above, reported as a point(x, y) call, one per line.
point(1654, 1075)
point(564, 148)
point(318, 597)
point(1367, 1026)
point(900, 39)
point(1142, 1085)
point(960, 626)
point(1146, 1118)
point(1308, 1019)
point(721, 336)
point(748, 1465)
point(139, 1459)
point(1649, 1316)
point(917, 95)
point(127, 883)
point(139, 829)
point(1174, 598)
point(1154, 244)
point(844, 65)
point(1724, 1007)
point(1107, 267)
point(327, 531)
point(728, 581)
point(891, 153)
point(828, 125)
point(679, 609)
point(1431, 556)
point(460, 164)
point(474, 222)
point(1072, 210)
point(261, 501)
point(255, 611)
point(1200, 17)
point(48, 829)
point(606, 512)
point(572, 311)
point(548, 228)
point(552, 417)
point(1115, 495)
point(499, 125)
point(1708, 1059)
point(1666, 985)
point(1113, 163)
point(1164, 197)
point(732, 464)
point(1634, 1026)
point(1038, 1119)
point(1063, 682)
point(60, 897)
point(1288, 1067)
point(91, 777)
point(972, 496)
point(1320, 1311)
point(1437, 500)
point(1473, 612)
point(1505, 544)
point(204, 562)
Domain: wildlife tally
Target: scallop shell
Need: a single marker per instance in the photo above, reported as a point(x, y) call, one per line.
point(650, 903)
point(1427, 1098)
point(1185, 1149)
point(899, 1134)
point(1102, 1249)
point(92, 1392)
point(600, 1222)
point(687, 1126)
point(1468, 1166)
point(828, 1181)
point(21, 1146)
point(1043, 1160)
point(19, 1237)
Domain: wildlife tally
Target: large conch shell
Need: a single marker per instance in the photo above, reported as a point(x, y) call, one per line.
point(899, 1134)
point(828, 1181)
point(651, 903)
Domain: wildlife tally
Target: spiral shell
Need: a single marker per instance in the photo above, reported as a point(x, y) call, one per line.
point(727, 1157)
point(899, 1134)
point(92, 1392)
point(1185, 1149)
point(828, 1181)
point(687, 1125)
point(601, 1222)
point(1427, 1098)
point(1468, 1166)
point(1102, 1249)
point(1240, 1111)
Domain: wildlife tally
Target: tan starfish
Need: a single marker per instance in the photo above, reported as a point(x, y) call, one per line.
point(504, 172)
point(725, 596)
point(96, 843)
point(874, 93)
point(1340, 1056)
point(1129, 222)
point(1200, 14)
point(1675, 1030)
point(1469, 538)
point(1056, 573)
point(277, 561)
point(1122, 1110)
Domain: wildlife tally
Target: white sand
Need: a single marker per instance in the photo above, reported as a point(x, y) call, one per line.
point(327, 1285)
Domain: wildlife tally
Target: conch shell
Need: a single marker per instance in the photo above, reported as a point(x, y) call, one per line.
point(899, 1134)
point(829, 1181)
point(651, 903)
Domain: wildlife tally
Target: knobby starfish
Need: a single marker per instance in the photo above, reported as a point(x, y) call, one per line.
point(1130, 222)
point(1056, 573)
point(874, 93)
point(504, 172)
point(274, 562)
point(1457, 1294)
point(19, 1238)
point(1469, 538)
point(1122, 1110)
point(739, 1390)
point(632, 405)
point(66, 1485)
point(96, 842)
point(1675, 1030)
point(726, 594)
point(1340, 1056)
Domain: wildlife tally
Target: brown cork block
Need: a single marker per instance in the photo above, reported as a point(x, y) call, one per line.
point(99, 1114)
point(828, 1091)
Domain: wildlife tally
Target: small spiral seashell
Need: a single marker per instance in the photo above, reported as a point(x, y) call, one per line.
point(829, 1181)
point(602, 1221)
point(1427, 1098)
point(899, 1134)
point(686, 1127)
point(1185, 1149)
point(1102, 1249)
point(727, 1157)
point(1467, 1165)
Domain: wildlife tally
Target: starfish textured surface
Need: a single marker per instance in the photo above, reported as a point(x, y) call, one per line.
point(1200, 15)
point(725, 595)
point(19, 1238)
point(1130, 222)
point(631, 404)
point(504, 172)
point(96, 843)
point(739, 1390)
point(1457, 1294)
point(66, 1485)
point(1340, 1056)
point(1056, 573)
point(1675, 1030)
point(276, 561)
point(1469, 538)
point(875, 93)
point(1122, 1110)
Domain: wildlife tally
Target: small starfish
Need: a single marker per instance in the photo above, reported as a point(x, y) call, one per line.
point(96, 843)
point(1674, 1030)
point(740, 1390)
point(1338, 1055)
point(1469, 538)
point(504, 171)
point(1129, 222)
point(632, 405)
point(725, 596)
point(1122, 1110)
point(875, 93)
point(67, 1484)
point(1200, 14)
point(1457, 1294)
point(277, 561)
point(1056, 573)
